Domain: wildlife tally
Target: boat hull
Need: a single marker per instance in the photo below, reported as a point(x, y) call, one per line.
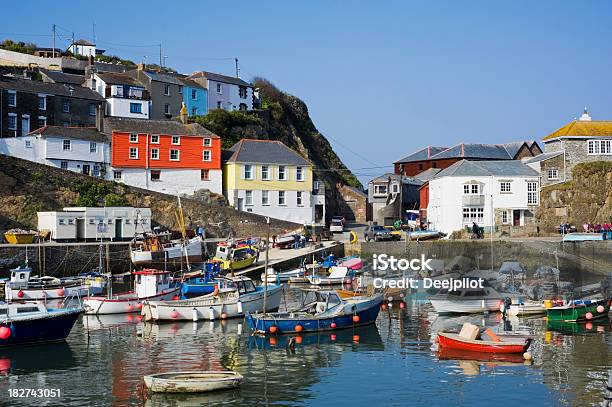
point(192, 382)
point(210, 308)
point(524, 309)
point(171, 258)
point(578, 313)
point(444, 306)
point(54, 293)
point(454, 341)
point(123, 305)
point(54, 326)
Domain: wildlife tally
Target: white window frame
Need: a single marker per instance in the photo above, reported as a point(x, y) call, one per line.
point(299, 173)
point(283, 201)
point(66, 143)
point(219, 89)
point(166, 90)
point(155, 139)
point(265, 175)
point(395, 188)
point(167, 108)
point(14, 116)
point(248, 198)
point(300, 198)
point(505, 187)
point(599, 147)
point(204, 171)
point(471, 214)
point(155, 154)
point(28, 144)
point(62, 166)
point(92, 112)
point(44, 119)
point(12, 93)
point(133, 138)
point(532, 193)
point(207, 142)
point(178, 140)
point(44, 100)
point(380, 189)
point(178, 154)
point(553, 174)
point(249, 171)
point(117, 176)
point(93, 147)
point(135, 157)
point(206, 156)
point(265, 198)
point(504, 217)
point(283, 172)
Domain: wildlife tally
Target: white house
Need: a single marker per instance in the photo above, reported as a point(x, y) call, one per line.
point(125, 96)
point(84, 48)
point(225, 92)
point(78, 149)
point(87, 223)
point(502, 194)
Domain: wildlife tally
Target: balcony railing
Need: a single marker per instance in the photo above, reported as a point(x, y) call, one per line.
point(473, 200)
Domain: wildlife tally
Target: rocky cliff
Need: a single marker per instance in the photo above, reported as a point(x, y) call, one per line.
point(284, 117)
point(586, 198)
point(29, 187)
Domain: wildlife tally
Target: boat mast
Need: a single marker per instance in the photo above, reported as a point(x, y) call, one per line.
point(265, 300)
point(181, 221)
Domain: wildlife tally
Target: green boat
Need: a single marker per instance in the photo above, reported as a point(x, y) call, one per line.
point(577, 310)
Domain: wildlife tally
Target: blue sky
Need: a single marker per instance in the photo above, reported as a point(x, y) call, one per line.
point(381, 79)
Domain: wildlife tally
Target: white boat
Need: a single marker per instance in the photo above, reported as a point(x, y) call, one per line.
point(469, 300)
point(524, 308)
point(23, 286)
point(282, 276)
point(337, 275)
point(158, 250)
point(237, 296)
point(150, 285)
point(192, 382)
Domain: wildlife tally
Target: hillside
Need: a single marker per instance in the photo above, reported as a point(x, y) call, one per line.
point(284, 117)
point(28, 187)
point(587, 198)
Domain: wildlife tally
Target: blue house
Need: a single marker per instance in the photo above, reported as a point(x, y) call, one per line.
point(195, 97)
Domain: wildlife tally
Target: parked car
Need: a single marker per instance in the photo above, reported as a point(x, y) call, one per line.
point(378, 233)
point(336, 226)
point(340, 218)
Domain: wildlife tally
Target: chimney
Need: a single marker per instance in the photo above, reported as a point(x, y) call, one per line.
point(183, 114)
point(100, 118)
point(141, 66)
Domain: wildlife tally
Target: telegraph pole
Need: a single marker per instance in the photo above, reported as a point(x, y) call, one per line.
point(401, 195)
point(161, 62)
point(237, 69)
point(53, 40)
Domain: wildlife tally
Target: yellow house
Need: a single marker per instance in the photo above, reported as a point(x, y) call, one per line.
point(268, 178)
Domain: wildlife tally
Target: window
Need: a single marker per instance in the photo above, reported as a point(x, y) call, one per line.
point(155, 139)
point(155, 154)
point(248, 171)
point(194, 94)
point(219, 104)
point(471, 215)
point(282, 173)
point(532, 193)
point(133, 138)
point(265, 172)
point(174, 155)
point(553, 174)
point(28, 144)
point(395, 188)
point(42, 121)
point(12, 98)
point(42, 102)
point(133, 153)
point(64, 165)
point(92, 109)
point(66, 106)
point(242, 92)
point(155, 175)
point(204, 175)
point(93, 147)
point(504, 216)
point(167, 108)
point(96, 171)
point(135, 108)
point(206, 155)
point(299, 174)
point(475, 189)
point(265, 198)
point(167, 90)
point(281, 198)
point(117, 176)
point(66, 145)
point(194, 111)
point(380, 190)
point(62, 221)
point(218, 89)
point(420, 166)
point(12, 121)
point(248, 198)
point(243, 107)
point(207, 142)
point(299, 199)
point(25, 124)
point(180, 89)
point(176, 140)
point(596, 147)
point(505, 187)
point(471, 189)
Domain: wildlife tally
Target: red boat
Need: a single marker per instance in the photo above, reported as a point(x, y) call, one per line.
point(494, 358)
point(454, 341)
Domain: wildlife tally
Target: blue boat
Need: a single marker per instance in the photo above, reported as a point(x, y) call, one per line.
point(32, 322)
point(321, 311)
point(197, 286)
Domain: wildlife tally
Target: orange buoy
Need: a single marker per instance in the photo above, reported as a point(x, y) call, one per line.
point(139, 305)
point(273, 329)
point(176, 298)
point(61, 292)
point(216, 290)
point(402, 305)
point(355, 318)
point(383, 306)
point(333, 325)
point(130, 307)
point(299, 328)
point(5, 332)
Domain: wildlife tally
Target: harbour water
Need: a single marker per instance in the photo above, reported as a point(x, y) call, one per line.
point(391, 363)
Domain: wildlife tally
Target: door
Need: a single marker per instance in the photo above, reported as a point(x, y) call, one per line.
point(516, 217)
point(118, 229)
point(80, 232)
point(25, 125)
point(86, 169)
point(240, 203)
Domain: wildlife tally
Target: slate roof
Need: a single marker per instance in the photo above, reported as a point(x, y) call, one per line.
point(80, 133)
point(220, 78)
point(423, 154)
point(170, 127)
point(59, 89)
point(61, 77)
point(163, 77)
point(583, 128)
point(265, 152)
point(114, 78)
point(542, 157)
point(471, 150)
point(427, 174)
point(395, 177)
point(84, 42)
point(108, 67)
point(509, 168)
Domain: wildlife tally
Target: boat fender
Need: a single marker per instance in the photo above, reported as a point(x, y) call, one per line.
point(402, 304)
point(298, 328)
point(333, 325)
point(174, 314)
point(61, 292)
point(194, 314)
point(5, 332)
point(527, 356)
point(223, 315)
point(216, 290)
point(273, 329)
point(239, 306)
point(589, 315)
point(20, 294)
point(211, 313)
point(600, 308)
point(356, 338)
point(130, 307)
point(355, 318)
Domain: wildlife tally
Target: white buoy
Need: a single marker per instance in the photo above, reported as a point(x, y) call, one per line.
point(194, 314)
point(239, 306)
point(211, 313)
point(527, 355)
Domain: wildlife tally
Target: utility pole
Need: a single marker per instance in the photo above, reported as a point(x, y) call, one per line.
point(53, 40)
point(93, 32)
point(401, 195)
point(237, 69)
point(265, 282)
point(161, 62)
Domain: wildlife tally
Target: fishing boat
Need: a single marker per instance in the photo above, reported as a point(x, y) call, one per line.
point(234, 297)
point(23, 286)
point(20, 236)
point(203, 284)
point(150, 285)
point(352, 263)
point(157, 250)
point(337, 275)
point(321, 311)
point(285, 241)
point(192, 382)
point(234, 256)
point(32, 322)
point(469, 300)
point(579, 311)
point(282, 276)
point(523, 308)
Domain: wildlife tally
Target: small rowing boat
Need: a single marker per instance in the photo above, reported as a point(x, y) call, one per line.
point(523, 308)
point(192, 382)
point(456, 341)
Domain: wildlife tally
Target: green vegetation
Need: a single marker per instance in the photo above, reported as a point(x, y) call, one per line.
point(592, 168)
point(24, 48)
point(112, 59)
point(115, 200)
point(232, 126)
point(95, 193)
